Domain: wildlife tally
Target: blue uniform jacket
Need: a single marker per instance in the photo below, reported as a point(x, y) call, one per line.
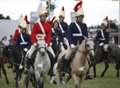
point(56, 33)
point(101, 39)
point(65, 28)
point(27, 39)
point(74, 30)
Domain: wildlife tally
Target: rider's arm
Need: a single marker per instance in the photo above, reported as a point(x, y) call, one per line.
point(97, 35)
point(85, 31)
point(16, 35)
point(48, 35)
point(34, 33)
point(70, 33)
point(107, 37)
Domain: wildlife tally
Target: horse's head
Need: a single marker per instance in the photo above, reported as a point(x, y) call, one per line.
point(66, 43)
point(90, 46)
point(41, 45)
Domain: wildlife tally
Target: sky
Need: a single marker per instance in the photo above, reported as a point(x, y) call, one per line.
point(94, 10)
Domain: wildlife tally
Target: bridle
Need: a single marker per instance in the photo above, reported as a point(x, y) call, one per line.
point(87, 50)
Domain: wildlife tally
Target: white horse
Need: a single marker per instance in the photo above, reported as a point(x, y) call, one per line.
point(61, 54)
point(42, 62)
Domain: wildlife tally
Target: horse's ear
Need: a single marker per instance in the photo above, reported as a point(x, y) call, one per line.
point(85, 37)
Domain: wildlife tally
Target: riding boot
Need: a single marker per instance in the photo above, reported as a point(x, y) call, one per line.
point(66, 65)
point(51, 51)
point(30, 51)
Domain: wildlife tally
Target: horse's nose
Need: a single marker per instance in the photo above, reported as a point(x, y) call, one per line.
point(92, 52)
point(42, 50)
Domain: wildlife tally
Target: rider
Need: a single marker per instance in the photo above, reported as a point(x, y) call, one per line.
point(41, 27)
point(5, 43)
point(21, 36)
point(77, 31)
point(102, 37)
point(57, 35)
point(63, 25)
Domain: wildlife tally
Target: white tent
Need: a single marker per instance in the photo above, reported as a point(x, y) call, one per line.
point(7, 27)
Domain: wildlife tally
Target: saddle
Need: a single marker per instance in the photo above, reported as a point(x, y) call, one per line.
point(66, 63)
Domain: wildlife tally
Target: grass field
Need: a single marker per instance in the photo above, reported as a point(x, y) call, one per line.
point(109, 81)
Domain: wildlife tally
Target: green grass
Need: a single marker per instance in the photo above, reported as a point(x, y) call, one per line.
point(109, 81)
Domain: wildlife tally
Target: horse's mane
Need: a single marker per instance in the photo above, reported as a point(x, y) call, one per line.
point(82, 45)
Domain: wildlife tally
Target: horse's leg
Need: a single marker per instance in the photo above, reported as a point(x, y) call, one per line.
point(27, 80)
point(117, 68)
point(76, 81)
point(0, 72)
point(81, 79)
point(5, 74)
point(88, 71)
point(10, 63)
point(106, 68)
point(32, 79)
point(37, 78)
point(17, 78)
point(41, 84)
point(94, 70)
point(51, 72)
point(89, 60)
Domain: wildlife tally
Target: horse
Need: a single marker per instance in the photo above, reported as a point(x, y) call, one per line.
point(106, 55)
point(42, 63)
point(67, 75)
point(79, 62)
point(3, 60)
point(62, 50)
point(18, 54)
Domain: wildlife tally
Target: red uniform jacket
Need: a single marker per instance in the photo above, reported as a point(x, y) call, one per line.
point(37, 30)
point(16, 35)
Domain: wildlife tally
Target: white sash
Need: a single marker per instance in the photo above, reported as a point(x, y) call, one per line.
point(80, 32)
point(42, 29)
point(103, 37)
point(53, 31)
point(61, 28)
point(23, 41)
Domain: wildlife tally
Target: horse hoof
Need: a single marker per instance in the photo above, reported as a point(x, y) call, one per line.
point(94, 76)
point(7, 82)
point(102, 76)
point(53, 82)
point(9, 66)
point(88, 77)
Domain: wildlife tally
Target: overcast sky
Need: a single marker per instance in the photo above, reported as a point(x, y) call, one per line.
point(95, 10)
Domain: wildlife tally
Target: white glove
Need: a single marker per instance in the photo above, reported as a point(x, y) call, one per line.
point(25, 49)
point(46, 44)
point(61, 44)
point(31, 50)
point(35, 44)
point(106, 47)
point(65, 39)
point(20, 67)
point(51, 44)
point(101, 44)
point(72, 46)
point(57, 38)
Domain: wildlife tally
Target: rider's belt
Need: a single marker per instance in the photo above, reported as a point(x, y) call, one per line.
point(23, 43)
point(77, 35)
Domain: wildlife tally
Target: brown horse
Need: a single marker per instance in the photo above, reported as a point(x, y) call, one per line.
point(77, 63)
